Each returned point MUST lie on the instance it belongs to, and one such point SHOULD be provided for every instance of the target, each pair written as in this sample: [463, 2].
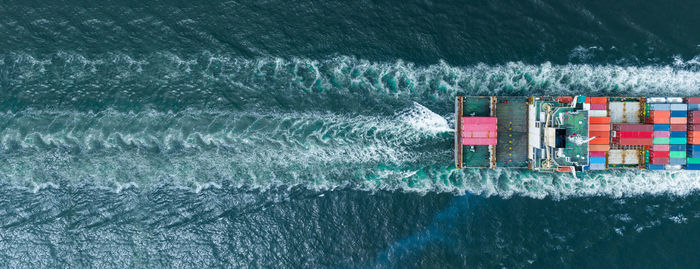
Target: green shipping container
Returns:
[693, 160]
[677, 154]
[678, 141]
[581, 99]
[661, 140]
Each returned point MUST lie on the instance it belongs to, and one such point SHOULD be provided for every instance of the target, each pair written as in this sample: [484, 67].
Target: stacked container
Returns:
[479, 130]
[597, 106]
[599, 130]
[693, 147]
[633, 134]
[660, 116]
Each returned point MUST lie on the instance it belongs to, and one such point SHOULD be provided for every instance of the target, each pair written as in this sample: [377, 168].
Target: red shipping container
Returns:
[692, 100]
[599, 100]
[600, 141]
[599, 120]
[679, 127]
[634, 141]
[596, 153]
[694, 141]
[659, 160]
[659, 154]
[633, 127]
[599, 134]
[661, 147]
[634, 134]
[694, 114]
[693, 127]
[595, 106]
[678, 120]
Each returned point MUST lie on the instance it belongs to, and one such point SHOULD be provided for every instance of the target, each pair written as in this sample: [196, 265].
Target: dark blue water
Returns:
[156, 134]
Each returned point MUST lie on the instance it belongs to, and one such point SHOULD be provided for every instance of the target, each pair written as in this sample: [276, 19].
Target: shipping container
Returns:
[661, 140]
[662, 134]
[597, 166]
[600, 141]
[676, 120]
[677, 147]
[678, 113]
[479, 120]
[662, 127]
[586, 106]
[598, 147]
[479, 141]
[633, 141]
[660, 114]
[693, 127]
[599, 100]
[604, 120]
[676, 154]
[676, 134]
[656, 100]
[634, 134]
[676, 161]
[692, 154]
[598, 127]
[674, 99]
[692, 100]
[634, 127]
[596, 153]
[673, 167]
[655, 107]
[693, 147]
[678, 127]
[597, 113]
[694, 113]
[658, 160]
[581, 99]
[693, 106]
[678, 141]
[659, 154]
[692, 167]
[596, 159]
[679, 107]
[693, 160]
[599, 134]
[655, 167]
[598, 107]
[661, 147]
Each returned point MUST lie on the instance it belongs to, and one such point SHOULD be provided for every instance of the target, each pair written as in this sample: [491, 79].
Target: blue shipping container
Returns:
[676, 161]
[662, 127]
[692, 167]
[694, 147]
[693, 154]
[693, 106]
[678, 134]
[657, 167]
[678, 147]
[597, 160]
[660, 107]
[597, 166]
[679, 107]
[679, 113]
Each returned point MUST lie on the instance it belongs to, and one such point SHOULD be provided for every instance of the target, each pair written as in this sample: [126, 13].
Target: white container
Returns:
[660, 107]
[615, 156]
[679, 107]
[652, 100]
[597, 166]
[673, 167]
[586, 106]
[674, 99]
[597, 113]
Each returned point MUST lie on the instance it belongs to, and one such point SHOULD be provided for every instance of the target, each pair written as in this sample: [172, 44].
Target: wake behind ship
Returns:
[577, 133]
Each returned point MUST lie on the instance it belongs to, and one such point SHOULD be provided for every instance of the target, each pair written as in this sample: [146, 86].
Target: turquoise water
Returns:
[305, 134]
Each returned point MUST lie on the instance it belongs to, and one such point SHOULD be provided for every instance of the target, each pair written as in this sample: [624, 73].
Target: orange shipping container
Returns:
[599, 134]
[598, 147]
[600, 141]
[658, 114]
[598, 127]
[599, 119]
[694, 141]
[599, 100]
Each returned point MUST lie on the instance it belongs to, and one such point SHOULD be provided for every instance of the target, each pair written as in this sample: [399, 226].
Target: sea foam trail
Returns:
[170, 81]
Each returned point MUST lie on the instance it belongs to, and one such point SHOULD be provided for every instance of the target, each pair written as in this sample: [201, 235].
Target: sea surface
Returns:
[318, 134]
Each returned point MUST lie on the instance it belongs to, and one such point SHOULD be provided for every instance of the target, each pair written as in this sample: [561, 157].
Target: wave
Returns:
[168, 81]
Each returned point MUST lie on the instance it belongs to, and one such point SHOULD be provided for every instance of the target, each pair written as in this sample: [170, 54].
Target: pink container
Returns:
[679, 120]
[599, 106]
[479, 141]
[662, 134]
[596, 154]
[476, 127]
[479, 120]
[661, 147]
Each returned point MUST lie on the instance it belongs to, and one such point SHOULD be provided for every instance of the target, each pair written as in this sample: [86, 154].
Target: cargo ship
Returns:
[577, 134]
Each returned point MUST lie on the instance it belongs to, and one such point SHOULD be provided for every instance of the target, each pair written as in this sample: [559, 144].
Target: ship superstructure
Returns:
[577, 133]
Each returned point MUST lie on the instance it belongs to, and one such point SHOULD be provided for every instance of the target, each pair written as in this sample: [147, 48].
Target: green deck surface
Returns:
[572, 124]
[511, 150]
[475, 156]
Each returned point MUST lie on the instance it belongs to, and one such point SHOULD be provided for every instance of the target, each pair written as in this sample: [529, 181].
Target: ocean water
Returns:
[149, 134]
